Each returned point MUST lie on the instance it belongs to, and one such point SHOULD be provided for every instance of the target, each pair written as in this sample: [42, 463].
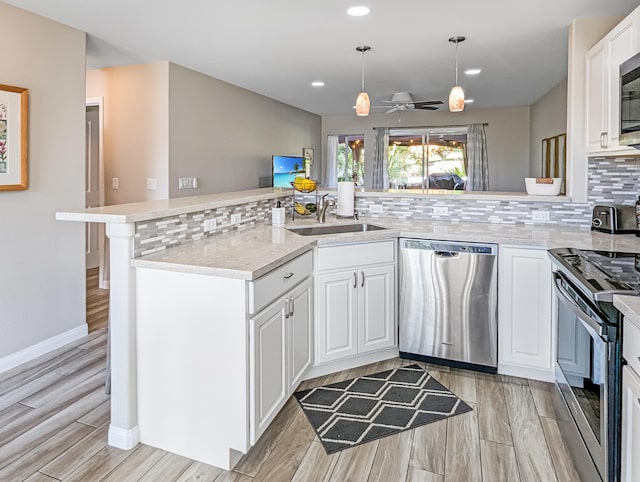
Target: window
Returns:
[427, 158]
[350, 158]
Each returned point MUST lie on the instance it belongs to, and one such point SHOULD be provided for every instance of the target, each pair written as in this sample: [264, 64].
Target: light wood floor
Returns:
[54, 418]
[97, 302]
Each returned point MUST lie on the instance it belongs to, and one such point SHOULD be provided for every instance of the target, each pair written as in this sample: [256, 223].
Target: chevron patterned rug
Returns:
[357, 411]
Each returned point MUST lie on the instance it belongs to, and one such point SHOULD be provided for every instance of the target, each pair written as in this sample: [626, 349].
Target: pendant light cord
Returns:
[457, 63]
[363, 71]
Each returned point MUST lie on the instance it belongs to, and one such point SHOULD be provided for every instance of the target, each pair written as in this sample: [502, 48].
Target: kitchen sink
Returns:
[336, 229]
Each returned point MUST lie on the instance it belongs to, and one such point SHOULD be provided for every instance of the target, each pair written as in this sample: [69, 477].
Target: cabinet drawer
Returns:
[340, 257]
[268, 287]
[631, 345]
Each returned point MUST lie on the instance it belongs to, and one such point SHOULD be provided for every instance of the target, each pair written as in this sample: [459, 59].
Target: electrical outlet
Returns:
[540, 215]
[235, 218]
[152, 183]
[440, 210]
[115, 183]
[210, 225]
[376, 208]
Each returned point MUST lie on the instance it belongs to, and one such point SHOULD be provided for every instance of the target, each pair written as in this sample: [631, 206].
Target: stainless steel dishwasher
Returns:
[448, 303]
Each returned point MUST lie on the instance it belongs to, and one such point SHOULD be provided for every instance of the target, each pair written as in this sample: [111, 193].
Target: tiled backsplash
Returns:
[611, 181]
[163, 233]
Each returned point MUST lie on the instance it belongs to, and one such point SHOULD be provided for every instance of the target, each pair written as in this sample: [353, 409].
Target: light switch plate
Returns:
[115, 183]
[152, 183]
[188, 183]
[235, 218]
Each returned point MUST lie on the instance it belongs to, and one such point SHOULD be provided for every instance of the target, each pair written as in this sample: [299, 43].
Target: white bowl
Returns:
[541, 189]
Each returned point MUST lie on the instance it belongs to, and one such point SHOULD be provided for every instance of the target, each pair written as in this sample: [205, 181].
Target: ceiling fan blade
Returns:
[428, 102]
[393, 109]
[427, 107]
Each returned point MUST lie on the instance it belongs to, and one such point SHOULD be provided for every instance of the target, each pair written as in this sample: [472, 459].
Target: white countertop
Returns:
[254, 251]
[629, 306]
[144, 211]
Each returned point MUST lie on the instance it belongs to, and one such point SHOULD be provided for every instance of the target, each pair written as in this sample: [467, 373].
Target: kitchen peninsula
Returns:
[158, 247]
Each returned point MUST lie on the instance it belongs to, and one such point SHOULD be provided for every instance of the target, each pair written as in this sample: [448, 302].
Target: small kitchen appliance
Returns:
[614, 219]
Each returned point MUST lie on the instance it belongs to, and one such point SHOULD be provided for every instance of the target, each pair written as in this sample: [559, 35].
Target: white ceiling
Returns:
[278, 47]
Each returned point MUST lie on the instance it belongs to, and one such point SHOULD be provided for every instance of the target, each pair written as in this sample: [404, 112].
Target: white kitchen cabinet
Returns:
[602, 85]
[217, 357]
[356, 307]
[524, 313]
[630, 425]
[280, 352]
[631, 402]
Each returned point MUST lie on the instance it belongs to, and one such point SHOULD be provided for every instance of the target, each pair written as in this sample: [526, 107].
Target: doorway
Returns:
[96, 255]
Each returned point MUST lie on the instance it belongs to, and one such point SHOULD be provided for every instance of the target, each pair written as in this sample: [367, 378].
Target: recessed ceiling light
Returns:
[317, 83]
[358, 11]
[468, 101]
[472, 71]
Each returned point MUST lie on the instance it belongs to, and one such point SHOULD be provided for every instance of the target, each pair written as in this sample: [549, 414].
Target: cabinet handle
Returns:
[362, 278]
[355, 279]
[287, 310]
[287, 276]
[602, 140]
[291, 306]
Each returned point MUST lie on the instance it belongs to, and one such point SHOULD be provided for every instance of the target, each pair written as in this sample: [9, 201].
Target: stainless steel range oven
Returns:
[589, 355]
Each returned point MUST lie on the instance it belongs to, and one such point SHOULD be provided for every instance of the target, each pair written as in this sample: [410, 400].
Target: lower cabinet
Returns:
[524, 313]
[280, 353]
[630, 425]
[356, 307]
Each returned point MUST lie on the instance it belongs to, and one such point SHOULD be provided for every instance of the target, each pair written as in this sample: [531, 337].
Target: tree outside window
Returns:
[350, 158]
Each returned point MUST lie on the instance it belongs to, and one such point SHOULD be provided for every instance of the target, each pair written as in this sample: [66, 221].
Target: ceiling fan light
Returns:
[456, 99]
[362, 104]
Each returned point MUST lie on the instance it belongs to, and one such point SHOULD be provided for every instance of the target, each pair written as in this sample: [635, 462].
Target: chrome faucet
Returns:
[322, 210]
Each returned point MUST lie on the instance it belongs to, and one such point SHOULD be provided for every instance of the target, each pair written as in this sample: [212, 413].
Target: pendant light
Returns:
[456, 96]
[362, 102]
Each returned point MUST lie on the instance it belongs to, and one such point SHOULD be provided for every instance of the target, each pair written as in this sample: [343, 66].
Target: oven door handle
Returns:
[582, 316]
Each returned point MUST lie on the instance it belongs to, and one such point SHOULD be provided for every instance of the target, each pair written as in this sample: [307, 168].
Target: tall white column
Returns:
[123, 431]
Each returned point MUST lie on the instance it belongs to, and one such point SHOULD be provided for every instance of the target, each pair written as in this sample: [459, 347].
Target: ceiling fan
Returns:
[401, 101]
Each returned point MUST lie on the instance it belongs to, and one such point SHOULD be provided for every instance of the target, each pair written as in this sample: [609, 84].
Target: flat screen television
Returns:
[286, 169]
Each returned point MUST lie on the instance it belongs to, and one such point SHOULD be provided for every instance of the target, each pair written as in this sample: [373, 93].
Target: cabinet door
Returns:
[376, 308]
[596, 97]
[621, 45]
[337, 311]
[524, 317]
[268, 377]
[299, 333]
[630, 425]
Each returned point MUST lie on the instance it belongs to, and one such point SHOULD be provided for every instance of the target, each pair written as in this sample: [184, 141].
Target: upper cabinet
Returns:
[602, 86]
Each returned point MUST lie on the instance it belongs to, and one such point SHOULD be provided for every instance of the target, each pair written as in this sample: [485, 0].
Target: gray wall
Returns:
[548, 119]
[42, 278]
[225, 135]
[507, 137]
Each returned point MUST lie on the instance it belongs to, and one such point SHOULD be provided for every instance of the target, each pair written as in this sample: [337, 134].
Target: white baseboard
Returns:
[34, 351]
[123, 438]
[527, 372]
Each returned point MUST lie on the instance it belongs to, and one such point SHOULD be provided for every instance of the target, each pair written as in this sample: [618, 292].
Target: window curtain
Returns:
[380, 149]
[331, 168]
[477, 159]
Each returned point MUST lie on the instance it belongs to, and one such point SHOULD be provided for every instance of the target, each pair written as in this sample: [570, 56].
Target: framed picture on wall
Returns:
[307, 153]
[13, 137]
